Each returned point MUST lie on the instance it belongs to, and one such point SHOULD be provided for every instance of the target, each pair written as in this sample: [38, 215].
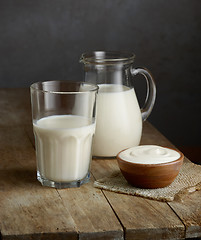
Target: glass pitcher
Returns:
[119, 117]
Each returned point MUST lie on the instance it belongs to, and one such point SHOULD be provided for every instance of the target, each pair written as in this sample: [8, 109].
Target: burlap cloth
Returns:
[187, 181]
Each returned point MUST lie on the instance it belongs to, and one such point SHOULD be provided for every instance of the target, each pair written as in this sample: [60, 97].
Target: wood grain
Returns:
[46, 213]
[26, 208]
[91, 213]
[15, 105]
[151, 135]
[30, 211]
[141, 218]
[189, 209]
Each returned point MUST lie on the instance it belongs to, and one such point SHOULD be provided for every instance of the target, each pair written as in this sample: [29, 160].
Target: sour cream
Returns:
[149, 154]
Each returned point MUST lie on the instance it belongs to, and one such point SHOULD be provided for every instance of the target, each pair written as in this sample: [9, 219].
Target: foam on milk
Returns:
[149, 154]
[63, 147]
[118, 122]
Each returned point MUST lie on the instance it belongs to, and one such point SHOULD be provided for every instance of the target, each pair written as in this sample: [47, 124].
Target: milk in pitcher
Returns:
[119, 120]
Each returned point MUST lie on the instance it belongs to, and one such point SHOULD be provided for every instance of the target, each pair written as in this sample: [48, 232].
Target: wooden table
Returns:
[30, 211]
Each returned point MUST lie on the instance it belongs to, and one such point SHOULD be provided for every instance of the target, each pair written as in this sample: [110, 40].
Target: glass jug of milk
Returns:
[119, 117]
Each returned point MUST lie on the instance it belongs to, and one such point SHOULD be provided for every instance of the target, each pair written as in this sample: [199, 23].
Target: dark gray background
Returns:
[43, 40]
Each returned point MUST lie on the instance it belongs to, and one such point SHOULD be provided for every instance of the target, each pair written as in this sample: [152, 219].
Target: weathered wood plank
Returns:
[29, 131]
[15, 105]
[19, 187]
[91, 213]
[46, 213]
[91, 225]
[26, 208]
[141, 218]
[189, 209]
[150, 135]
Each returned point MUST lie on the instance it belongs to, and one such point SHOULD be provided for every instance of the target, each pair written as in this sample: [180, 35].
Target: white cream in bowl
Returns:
[149, 154]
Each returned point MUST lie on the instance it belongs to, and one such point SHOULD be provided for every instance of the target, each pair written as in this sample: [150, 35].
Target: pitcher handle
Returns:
[151, 91]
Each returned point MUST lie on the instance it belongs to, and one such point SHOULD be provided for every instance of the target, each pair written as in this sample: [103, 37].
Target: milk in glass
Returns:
[63, 147]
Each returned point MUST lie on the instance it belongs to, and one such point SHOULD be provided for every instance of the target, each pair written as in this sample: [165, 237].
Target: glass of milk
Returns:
[63, 116]
[119, 117]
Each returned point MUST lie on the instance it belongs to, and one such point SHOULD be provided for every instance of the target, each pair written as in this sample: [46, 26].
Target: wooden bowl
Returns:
[150, 175]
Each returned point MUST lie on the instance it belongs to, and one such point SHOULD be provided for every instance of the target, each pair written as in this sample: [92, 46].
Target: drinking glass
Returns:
[63, 116]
